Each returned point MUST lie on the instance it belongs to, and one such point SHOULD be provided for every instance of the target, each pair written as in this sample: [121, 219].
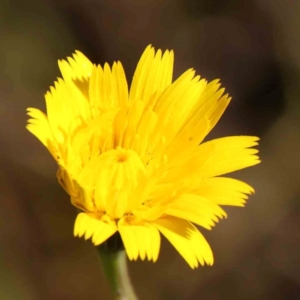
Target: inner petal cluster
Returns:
[111, 181]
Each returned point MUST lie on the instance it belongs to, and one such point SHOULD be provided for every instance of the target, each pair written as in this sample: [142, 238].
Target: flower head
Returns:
[134, 160]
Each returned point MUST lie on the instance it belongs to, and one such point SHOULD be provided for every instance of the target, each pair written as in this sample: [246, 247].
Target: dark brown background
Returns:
[253, 46]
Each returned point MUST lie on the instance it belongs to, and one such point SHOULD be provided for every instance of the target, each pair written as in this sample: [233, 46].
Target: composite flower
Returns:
[133, 159]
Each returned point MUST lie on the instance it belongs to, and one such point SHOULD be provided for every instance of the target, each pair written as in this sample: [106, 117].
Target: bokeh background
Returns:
[253, 46]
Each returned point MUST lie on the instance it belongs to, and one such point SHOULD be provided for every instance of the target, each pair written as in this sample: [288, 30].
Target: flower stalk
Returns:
[113, 260]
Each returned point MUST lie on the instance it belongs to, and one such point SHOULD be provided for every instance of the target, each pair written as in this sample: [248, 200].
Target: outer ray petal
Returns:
[152, 75]
[140, 239]
[107, 88]
[39, 126]
[185, 86]
[217, 157]
[76, 67]
[224, 191]
[175, 104]
[196, 209]
[76, 71]
[195, 128]
[186, 239]
[121, 85]
[225, 155]
[185, 117]
[92, 227]
[190, 100]
[67, 110]
[194, 131]
[211, 112]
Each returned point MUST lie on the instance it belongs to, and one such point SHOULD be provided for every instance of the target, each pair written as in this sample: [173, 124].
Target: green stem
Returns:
[114, 263]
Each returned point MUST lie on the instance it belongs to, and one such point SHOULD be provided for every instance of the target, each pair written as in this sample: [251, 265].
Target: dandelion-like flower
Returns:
[133, 160]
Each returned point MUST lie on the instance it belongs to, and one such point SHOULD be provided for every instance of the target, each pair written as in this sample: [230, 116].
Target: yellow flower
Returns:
[134, 162]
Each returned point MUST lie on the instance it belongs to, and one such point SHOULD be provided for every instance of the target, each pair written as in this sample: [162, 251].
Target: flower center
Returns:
[120, 174]
[123, 156]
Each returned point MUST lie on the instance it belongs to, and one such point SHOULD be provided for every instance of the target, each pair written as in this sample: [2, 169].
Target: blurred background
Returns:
[253, 46]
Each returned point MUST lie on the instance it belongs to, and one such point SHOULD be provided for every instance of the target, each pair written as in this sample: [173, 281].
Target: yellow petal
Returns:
[107, 88]
[212, 110]
[184, 86]
[76, 71]
[187, 111]
[39, 126]
[134, 115]
[140, 239]
[67, 110]
[152, 75]
[175, 104]
[76, 67]
[224, 191]
[92, 227]
[144, 130]
[66, 182]
[184, 145]
[216, 111]
[217, 157]
[196, 209]
[225, 155]
[186, 239]
[197, 121]
[120, 83]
